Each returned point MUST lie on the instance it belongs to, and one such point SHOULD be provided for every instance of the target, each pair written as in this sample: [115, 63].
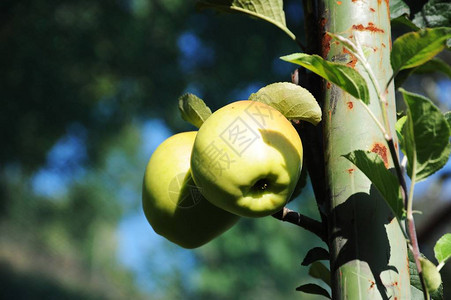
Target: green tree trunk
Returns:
[368, 250]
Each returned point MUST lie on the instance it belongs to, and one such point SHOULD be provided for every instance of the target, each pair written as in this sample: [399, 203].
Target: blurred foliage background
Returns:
[88, 90]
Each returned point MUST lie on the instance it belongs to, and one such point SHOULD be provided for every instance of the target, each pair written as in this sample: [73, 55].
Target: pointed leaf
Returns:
[426, 136]
[415, 48]
[268, 10]
[319, 271]
[314, 289]
[343, 76]
[293, 101]
[193, 109]
[435, 13]
[442, 249]
[372, 165]
[315, 254]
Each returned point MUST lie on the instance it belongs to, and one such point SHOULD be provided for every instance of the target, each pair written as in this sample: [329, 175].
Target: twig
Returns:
[293, 217]
[399, 172]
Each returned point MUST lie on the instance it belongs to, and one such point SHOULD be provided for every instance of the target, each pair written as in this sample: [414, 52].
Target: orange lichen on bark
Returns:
[339, 2]
[350, 171]
[381, 150]
[353, 60]
[325, 43]
[370, 27]
[350, 104]
[372, 284]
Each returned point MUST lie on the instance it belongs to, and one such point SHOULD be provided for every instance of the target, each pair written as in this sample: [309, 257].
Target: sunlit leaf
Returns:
[372, 165]
[442, 248]
[415, 48]
[268, 10]
[435, 13]
[398, 127]
[398, 8]
[426, 136]
[448, 117]
[314, 289]
[315, 254]
[293, 101]
[343, 76]
[193, 109]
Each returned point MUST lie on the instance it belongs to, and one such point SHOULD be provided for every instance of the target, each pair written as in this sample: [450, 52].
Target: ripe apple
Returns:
[173, 204]
[247, 158]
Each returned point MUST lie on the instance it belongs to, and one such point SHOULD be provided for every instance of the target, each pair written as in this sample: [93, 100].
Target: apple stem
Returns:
[293, 217]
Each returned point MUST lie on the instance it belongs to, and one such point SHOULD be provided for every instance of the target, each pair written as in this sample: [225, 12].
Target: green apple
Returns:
[173, 204]
[247, 159]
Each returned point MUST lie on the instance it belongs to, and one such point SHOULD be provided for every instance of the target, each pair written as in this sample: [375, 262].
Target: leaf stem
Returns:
[381, 127]
[293, 217]
[412, 231]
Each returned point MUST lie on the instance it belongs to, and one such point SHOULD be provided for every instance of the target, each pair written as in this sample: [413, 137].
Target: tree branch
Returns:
[293, 217]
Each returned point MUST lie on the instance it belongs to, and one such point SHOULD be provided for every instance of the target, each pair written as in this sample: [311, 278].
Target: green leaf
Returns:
[404, 20]
[398, 127]
[343, 76]
[435, 13]
[434, 65]
[315, 254]
[415, 48]
[314, 289]
[426, 136]
[431, 275]
[415, 283]
[398, 8]
[320, 271]
[431, 66]
[193, 109]
[442, 249]
[293, 101]
[268, 10]
[447, 116]
[372, 165]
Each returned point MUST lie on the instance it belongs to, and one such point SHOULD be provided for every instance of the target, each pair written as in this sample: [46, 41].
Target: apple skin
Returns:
[247, 159]
[173, 204]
